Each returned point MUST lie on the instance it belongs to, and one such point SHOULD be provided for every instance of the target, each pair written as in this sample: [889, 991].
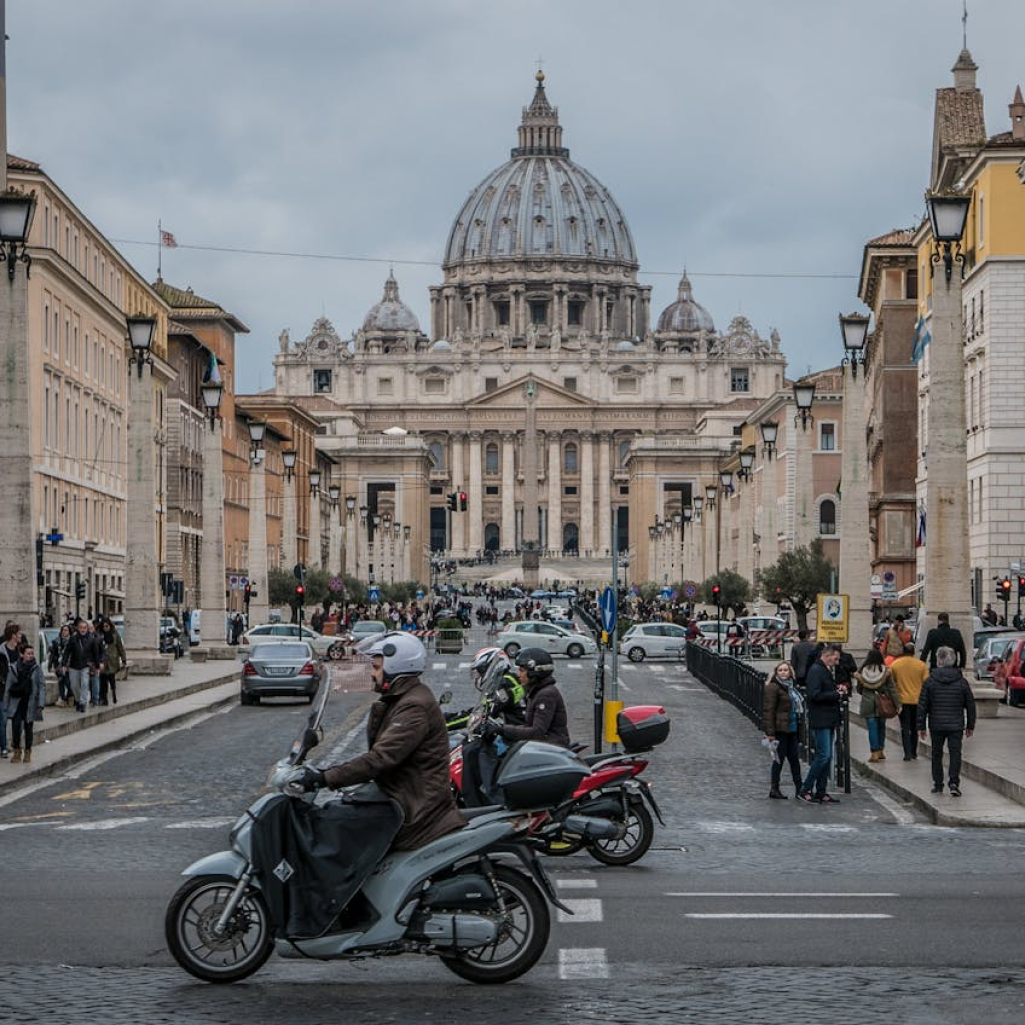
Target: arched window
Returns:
[570, 539]
[492, 537]
[491, 458]
[437, 454]
[569, 458]
[624, 450]
[827, 517]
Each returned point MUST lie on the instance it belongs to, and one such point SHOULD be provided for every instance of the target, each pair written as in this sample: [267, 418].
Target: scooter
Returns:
[315, 879]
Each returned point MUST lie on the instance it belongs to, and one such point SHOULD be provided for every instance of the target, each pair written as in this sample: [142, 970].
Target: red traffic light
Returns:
[462, 501]
[715, 590]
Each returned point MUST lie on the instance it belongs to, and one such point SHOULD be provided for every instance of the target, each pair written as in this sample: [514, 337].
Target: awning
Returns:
[911, 589]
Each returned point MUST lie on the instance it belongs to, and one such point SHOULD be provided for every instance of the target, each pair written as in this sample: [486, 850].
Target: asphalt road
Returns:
[745, 908]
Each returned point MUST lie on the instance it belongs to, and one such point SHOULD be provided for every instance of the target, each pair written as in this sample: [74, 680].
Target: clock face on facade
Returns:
[322, 345]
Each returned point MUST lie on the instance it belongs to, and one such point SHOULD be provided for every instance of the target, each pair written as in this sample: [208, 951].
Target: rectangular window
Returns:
[321, 381]
[538, 311]
[982, 220]
[435, 385]
[569, 383]
[490, 384]
[436, 489]
[385, 386]
[574, 313]
[675, 385]
[624, 489]
[982, 311]
[491, 489]
[827, 437]
[626, 385]
[911, 285]
[570, 489]
[502, 313]
[739, 380]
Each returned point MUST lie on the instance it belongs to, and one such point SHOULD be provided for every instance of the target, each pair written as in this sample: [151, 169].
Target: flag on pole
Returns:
[213, 371]
[920, 535]
[167, 240]
[922, 338]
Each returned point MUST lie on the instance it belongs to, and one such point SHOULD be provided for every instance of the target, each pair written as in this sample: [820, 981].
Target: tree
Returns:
[799, 577]
[281, 586]
[735, 591]
[400, 591]
[648, 591]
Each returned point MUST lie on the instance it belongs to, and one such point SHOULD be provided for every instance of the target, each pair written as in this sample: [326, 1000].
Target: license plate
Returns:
[279, 671]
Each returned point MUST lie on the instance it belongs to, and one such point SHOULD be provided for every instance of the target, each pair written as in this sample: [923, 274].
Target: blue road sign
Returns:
[419, 595]
[374, 594]
[608, 605]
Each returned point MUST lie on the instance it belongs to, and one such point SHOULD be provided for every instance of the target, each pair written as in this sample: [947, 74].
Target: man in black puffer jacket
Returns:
[943, 705]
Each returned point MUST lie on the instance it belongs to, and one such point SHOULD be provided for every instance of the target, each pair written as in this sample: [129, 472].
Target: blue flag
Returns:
[922, 338]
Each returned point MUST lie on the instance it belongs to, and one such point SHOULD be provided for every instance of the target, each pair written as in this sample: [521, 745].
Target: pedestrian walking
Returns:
[23, 701]
[909, 674]
[82, 657]
[872, 680]
[801, 657]
[782, 712]
[113, 661]
[946, 708]
[895, 638]
[943, 635]
[823, 696]
[55, 663]
[8, 658]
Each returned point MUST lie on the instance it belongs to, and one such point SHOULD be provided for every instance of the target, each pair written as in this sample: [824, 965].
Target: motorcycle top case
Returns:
[642, 727]
[538, 775]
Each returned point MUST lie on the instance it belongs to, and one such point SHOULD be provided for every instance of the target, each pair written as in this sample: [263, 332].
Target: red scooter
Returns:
[613, 790]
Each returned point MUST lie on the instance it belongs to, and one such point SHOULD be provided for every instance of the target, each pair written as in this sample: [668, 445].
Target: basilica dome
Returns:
[685, 314]
[540, 204]
[391, 314]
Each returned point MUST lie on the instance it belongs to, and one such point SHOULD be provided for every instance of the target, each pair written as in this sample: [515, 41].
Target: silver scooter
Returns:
[477, 898]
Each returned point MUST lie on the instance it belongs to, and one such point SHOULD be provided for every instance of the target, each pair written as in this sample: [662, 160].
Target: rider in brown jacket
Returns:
[408, 745]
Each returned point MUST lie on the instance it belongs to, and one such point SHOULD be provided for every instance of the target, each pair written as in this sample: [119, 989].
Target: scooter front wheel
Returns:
[633, 845]
[523, 929]
[194, 942]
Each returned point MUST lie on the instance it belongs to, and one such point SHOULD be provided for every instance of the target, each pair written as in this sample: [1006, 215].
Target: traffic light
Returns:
[300, 594]
[453, 501]
[80, 589]
[1021, 587]
[39, 562]
[247, 593]
[716, 593]
[1004, 589]
[462, 501]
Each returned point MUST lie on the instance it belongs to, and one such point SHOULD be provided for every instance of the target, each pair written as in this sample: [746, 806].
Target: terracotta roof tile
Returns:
[960, 120]
[897, 237]
[21, 164]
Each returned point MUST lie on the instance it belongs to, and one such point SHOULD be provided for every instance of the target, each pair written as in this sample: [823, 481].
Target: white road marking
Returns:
[680, 687]
[726, 827]
[212, 823]
[577, 884]
[103, 824]
[623, 686]
[582, 911]
[823, 827]
[463, 665]
[788, 896]
[583, 963]
[788, 915]
[628, 669]
[438, 665]
[657, 669]
[21, 825]
[574, 665]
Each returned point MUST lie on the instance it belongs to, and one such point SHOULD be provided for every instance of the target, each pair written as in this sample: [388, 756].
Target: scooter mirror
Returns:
[445, 697]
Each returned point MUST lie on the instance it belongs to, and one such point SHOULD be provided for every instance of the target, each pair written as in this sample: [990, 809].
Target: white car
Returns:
[535, 634]
[284, 632]
[368, 628]
[653, 640]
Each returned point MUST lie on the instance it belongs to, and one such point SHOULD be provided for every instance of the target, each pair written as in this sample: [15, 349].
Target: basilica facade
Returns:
[542, 390]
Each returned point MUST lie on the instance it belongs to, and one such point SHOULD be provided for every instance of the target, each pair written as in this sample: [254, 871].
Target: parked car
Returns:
[553, 612]
[540, 594]
[990, 650]
[750, 623]
[284, 632]
[281, 668]
[535, 634]
[367, 628]
[653, 640]
[170, 637]
[712, 628]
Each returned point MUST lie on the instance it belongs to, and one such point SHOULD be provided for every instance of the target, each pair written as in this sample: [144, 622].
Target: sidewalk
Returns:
[145, 703]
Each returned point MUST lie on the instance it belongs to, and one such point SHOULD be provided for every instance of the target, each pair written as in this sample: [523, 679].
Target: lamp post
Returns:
[709, 527]
[746, 532]
[947, 582]
[350, 536]
[855, 569]
[726, 489]
[804, 398]
[334, 530]
[770, 432]
[212, 603]
[316, 554]
[17, 526]
[289, 526]
[142, 592]
[259, 606]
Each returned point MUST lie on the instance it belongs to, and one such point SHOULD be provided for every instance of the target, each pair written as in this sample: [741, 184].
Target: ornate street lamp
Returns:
[770, 432]
[711, 491]
[747, 460]
[334, 493]
[288, 457]
[407, 532]
[257, 430]
[804, 396]
[947, 215]
[688, 513]
[16, 210]
[855, 334]
[212, 392]
[140, 334]
[350, 505]
[699, 502]
[363, 515]
[726, 480]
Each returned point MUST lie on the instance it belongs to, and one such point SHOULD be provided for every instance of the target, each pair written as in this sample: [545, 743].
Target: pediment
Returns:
[547, 396]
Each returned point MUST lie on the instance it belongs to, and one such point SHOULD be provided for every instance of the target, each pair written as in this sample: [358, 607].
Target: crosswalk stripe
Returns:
[438, 665]
[784, 914]
[583, 963]
[581, 911]
[577, 884]
[103, 824]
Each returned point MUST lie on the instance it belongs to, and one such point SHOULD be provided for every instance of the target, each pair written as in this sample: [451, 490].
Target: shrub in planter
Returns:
[450, 636]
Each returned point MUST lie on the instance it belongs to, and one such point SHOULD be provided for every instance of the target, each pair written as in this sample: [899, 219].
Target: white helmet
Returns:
[403, 654]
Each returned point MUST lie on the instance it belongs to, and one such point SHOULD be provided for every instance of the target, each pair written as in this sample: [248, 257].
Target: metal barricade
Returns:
[731, 678]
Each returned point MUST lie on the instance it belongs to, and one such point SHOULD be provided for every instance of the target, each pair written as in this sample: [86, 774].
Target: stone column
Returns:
[475, 496]
[289, 528]
[508, 539]
[142, 599]
[259, 606]
[604, 495]
[804, 486]
[17, 525]
[315, 558]
[458, 482]
[334, 540]
[855, 564]
[745, 536]
[586, 542]
[213, 623]
[351, 530]
[555, 491]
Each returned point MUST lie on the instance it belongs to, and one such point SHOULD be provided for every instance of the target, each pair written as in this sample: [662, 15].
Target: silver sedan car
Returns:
[275, 669]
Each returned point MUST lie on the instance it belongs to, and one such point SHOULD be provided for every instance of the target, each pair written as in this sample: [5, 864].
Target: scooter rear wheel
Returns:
[524, 928]
[640, 831]
[189, 930]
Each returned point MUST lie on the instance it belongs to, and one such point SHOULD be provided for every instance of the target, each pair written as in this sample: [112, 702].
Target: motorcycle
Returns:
[611, 790]
[315, 879]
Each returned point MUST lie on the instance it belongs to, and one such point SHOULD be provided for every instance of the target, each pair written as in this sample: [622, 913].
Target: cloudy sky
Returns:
[759, 144]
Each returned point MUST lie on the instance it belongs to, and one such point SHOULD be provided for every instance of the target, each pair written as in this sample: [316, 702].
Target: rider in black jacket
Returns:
[546, 717]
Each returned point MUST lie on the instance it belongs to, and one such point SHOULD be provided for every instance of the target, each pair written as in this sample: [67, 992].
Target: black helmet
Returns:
[537, 662]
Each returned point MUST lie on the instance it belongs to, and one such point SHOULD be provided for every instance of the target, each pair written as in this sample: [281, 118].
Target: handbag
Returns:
[885, 706]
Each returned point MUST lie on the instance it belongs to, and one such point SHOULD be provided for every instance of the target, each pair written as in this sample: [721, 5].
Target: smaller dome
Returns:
[625, 346]
[685, 314]
[391, 314]
[441, 346]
